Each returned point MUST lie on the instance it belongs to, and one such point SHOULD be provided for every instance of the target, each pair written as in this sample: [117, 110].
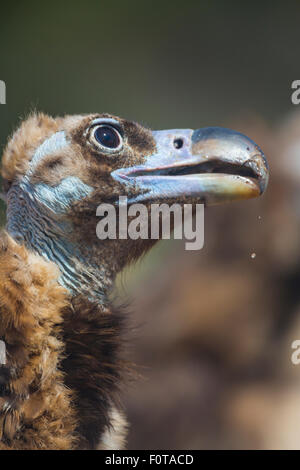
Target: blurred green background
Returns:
[166, 64]
[173, 64]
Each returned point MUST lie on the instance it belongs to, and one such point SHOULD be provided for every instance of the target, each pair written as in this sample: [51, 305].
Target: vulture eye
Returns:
[108, 137]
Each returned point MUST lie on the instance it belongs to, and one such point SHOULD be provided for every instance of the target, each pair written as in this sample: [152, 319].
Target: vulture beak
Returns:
[213, 165]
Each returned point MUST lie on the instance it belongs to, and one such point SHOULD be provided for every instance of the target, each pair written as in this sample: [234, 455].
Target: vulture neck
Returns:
[92, 337]
[83, 270]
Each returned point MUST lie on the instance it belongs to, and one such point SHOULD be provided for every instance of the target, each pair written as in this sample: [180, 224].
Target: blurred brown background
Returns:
[212, 330]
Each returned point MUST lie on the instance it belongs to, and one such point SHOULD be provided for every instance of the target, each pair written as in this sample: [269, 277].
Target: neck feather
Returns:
[92, 332]
[92, 367]
[46, 233]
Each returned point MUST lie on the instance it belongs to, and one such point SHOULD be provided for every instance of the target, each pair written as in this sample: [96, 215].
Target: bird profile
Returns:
[61, 382]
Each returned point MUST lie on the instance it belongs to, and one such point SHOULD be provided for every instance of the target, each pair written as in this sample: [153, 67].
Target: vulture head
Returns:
[58, 171]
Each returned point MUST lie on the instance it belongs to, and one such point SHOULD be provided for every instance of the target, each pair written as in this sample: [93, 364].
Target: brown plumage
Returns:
[60, 386]
[33, 394]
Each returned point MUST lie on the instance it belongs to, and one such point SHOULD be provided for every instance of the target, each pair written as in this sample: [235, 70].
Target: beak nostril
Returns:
[178, 143]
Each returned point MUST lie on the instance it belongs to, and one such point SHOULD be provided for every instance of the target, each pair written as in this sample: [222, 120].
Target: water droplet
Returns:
[253, 255]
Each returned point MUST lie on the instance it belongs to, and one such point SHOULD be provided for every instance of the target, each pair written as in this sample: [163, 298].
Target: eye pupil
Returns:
[107, 136]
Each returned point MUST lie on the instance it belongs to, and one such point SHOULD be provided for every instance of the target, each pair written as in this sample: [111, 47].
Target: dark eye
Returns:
[108, 137]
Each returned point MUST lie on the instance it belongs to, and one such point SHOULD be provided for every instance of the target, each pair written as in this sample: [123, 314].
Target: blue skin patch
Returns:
[55, 143]
[58, 198]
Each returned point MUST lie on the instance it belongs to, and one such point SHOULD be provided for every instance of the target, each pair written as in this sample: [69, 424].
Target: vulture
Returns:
[63, 366]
